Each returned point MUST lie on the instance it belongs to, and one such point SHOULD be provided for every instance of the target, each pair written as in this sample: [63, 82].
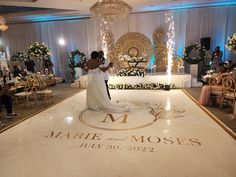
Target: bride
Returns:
[97, 98]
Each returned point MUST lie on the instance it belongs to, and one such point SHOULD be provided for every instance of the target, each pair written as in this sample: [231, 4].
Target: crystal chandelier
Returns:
[3, 25]
[110, 10]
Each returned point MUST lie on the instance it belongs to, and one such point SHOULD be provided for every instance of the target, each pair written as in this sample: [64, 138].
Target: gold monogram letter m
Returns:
[125, 117]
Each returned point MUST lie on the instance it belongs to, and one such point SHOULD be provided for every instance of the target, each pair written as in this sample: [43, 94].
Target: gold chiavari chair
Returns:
[29, 88]
[229, 90]
[43, 92]
[215, 83]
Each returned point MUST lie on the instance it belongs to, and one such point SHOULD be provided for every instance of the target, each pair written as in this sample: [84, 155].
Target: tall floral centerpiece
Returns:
[194, 54]
[39, 51]
[231, 43]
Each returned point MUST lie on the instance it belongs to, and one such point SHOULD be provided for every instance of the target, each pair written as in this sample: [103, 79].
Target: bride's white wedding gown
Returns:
[97, 98]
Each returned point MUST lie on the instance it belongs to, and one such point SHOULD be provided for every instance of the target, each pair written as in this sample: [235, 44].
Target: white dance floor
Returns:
[165, 135]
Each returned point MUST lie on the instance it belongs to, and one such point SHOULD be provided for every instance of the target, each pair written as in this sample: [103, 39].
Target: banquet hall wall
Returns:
[83, 34]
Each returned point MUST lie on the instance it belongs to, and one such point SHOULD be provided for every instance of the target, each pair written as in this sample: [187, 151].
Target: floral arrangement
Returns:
[231, 43]
[132, 72]
[133, 59]
[140, 86]
[19, 56]
[194, 53]
[39, 51]
[82, 56]
[73, 64]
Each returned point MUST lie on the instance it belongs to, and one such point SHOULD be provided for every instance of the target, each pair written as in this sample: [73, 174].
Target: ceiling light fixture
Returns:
[3, 26]
[61, 42]
[110, 10]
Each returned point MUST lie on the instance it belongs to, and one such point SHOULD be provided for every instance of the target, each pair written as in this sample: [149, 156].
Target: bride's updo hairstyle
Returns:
[94, 55]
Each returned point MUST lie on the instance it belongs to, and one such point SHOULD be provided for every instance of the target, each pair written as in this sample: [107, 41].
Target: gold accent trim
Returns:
[109, 129]
[177, 61]
[160, 50]
[213, 117]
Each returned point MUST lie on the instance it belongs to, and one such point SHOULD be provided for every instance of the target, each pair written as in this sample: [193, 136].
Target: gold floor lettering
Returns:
[184, 141]
[115, 147]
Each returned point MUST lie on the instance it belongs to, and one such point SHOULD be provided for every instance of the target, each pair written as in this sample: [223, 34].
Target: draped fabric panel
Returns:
[84, 34]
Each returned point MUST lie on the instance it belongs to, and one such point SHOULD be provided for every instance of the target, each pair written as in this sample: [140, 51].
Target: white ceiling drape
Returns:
[190, 25]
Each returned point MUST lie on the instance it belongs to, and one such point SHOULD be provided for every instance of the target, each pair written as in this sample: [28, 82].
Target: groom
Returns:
[105, 64]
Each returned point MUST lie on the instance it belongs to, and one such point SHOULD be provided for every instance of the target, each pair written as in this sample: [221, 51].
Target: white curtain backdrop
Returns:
[190, 25]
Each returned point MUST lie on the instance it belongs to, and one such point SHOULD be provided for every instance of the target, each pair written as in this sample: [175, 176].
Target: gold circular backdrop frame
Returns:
[130, 41]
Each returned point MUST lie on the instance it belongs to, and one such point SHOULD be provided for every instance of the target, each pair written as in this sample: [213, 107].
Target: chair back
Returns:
[229, 84]
[215, 80]
[42, 85]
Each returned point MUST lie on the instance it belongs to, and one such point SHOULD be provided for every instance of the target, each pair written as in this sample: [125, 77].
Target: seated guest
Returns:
[225, 64]
[30, 65]
[17, 71]
[6, 99]
[222, 69]
[24, 73]
[230, 66]
[47, 64]
[214, 87]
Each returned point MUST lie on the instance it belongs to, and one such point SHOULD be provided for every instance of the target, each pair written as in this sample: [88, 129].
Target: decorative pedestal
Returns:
[76, 84]
[194, 70]
[78, 73]
[194, 74]
[83, 82]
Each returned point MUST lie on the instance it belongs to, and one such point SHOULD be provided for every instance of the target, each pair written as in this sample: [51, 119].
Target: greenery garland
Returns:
[83, 59]
[194, 59]
[73, 64]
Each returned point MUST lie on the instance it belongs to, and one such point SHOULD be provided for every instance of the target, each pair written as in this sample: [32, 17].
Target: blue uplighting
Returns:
[43, 18]
[151, 62]
[180, 52]
[189, 5]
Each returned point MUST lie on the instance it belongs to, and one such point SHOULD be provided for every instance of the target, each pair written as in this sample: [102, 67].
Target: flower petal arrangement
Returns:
[132, 72]
[231, 43]
[140, 86]
[39, 51]
[19, 56]
[133, 66]
[194, 53]
[133, 59]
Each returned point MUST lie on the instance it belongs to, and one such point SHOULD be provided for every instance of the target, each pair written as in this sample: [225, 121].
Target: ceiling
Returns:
[19, 11]
[15, 9]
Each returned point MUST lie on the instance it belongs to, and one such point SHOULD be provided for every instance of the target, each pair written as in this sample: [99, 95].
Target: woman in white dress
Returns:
[97, 98]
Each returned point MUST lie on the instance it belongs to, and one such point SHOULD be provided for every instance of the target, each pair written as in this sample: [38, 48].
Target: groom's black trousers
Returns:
[108, 93]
